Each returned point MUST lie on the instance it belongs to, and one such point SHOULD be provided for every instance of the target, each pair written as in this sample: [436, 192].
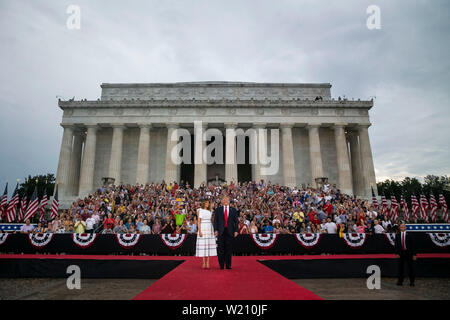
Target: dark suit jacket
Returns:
[409, 242]
[233, 220]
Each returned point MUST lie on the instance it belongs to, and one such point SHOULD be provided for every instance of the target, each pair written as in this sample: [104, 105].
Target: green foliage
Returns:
[45, 183]
[412, 186]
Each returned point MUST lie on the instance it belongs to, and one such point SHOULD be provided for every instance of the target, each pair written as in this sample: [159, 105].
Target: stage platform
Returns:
[355, 266]
[252, 277]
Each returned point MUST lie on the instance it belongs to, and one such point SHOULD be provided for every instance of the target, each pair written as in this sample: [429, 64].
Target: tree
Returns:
[435, 184]
[389, 188]
[45, 183]
[412, 186]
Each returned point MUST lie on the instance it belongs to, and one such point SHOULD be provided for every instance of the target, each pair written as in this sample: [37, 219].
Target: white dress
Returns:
[206, 245]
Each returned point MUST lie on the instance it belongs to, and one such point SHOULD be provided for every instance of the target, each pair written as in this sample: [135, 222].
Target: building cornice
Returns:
[229, 84]
[215, 103]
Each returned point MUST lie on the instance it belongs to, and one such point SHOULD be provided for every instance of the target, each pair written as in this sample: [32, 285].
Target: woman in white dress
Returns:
[206, 241]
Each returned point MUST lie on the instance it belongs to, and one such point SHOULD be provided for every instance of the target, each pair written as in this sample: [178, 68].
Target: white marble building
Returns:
[124, 135]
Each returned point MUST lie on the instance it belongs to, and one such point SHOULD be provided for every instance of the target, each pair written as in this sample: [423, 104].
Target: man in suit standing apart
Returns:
[404, 247]
[226, 223]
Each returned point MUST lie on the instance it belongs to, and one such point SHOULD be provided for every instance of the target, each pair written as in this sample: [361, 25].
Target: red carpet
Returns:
[248, 280]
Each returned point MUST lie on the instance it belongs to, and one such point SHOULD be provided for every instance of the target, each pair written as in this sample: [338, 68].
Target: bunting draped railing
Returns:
[243, 244]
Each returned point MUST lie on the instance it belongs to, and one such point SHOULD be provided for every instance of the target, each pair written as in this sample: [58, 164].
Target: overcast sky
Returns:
[405, 65]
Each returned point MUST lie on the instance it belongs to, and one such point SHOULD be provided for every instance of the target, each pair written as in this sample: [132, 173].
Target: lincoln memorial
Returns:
[129, 136]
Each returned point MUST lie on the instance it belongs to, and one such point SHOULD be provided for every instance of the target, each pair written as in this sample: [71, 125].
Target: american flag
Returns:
[23, 207]
[444, 207]
[374, 200]
[434, 207]
[12, 206]
[43, 204]
[405, 209]
[32, 206]
[384, 205]
[415, 207]
[4, 200]
[423, 207]
[394, 208]
[55, 205]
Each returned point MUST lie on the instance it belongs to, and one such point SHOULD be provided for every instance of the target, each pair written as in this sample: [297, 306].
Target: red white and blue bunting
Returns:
[390, 237]
[440, 239]
[40, 240]
[84, 240]
[428, 227]
[173, 241]
[264, 240]
[128, 240]
[308, 240]
[3, 237]
[355, 240]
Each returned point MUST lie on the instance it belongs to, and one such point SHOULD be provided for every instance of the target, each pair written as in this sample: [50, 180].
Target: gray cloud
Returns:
[405, 65]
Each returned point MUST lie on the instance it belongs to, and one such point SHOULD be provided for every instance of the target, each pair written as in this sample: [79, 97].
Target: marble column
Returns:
[63, 173]
[355, 159]
[344, 175]
[315, 153]
[259, 146]
[200, 166]
[367, 161]
[88, 163]
[230, 153]
[171, 166]
[115, 162]
[143, 161]
[75, 162]
[289, 176]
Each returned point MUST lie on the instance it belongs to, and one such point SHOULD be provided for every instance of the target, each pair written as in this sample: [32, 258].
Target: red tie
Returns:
[403, 241]
[226, 217]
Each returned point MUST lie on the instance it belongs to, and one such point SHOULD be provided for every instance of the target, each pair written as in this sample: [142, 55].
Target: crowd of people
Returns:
[263, 208]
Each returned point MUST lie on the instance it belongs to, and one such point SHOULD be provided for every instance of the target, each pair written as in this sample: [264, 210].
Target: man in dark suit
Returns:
[404, 247]
[226, 224]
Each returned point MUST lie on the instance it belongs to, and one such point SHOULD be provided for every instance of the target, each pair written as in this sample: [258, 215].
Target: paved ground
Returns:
[126, 289]
[56, 289]
[356, 289]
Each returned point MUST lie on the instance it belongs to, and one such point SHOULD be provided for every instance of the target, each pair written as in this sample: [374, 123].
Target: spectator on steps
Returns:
[330, 226]
[80, 226]
[120, 228]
